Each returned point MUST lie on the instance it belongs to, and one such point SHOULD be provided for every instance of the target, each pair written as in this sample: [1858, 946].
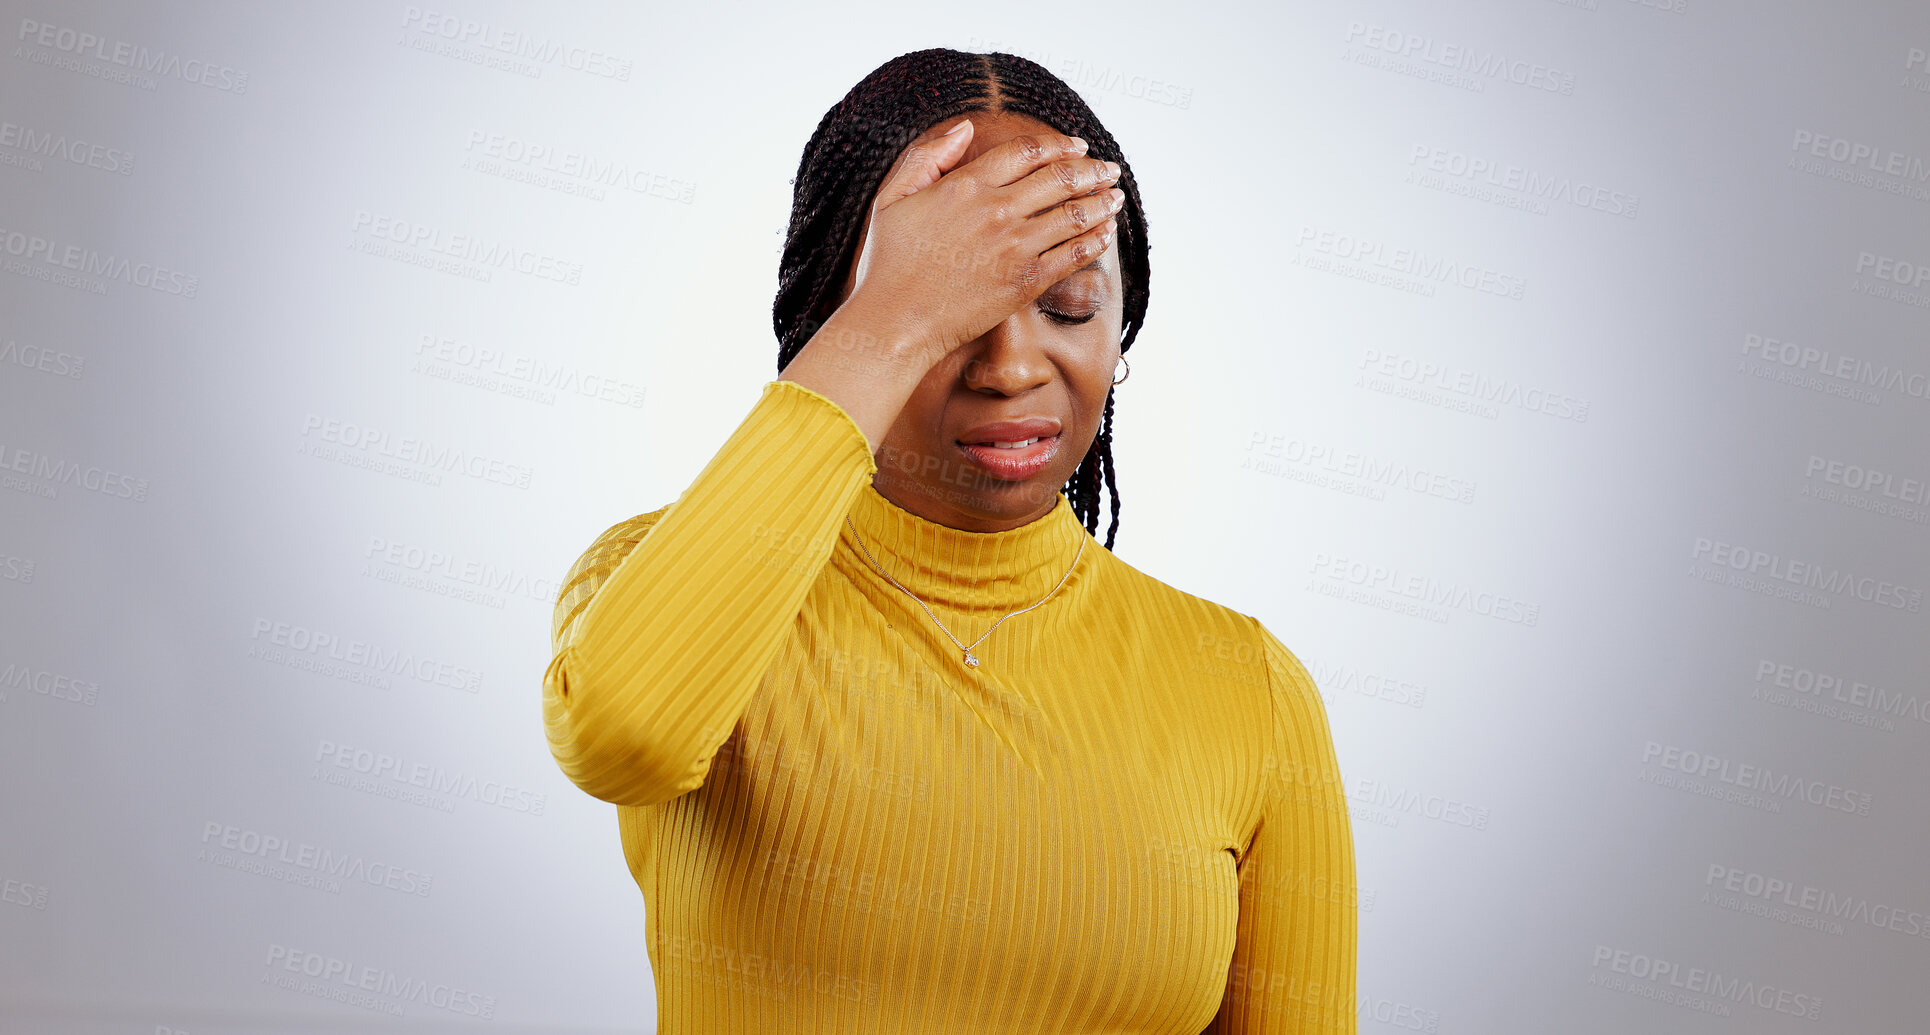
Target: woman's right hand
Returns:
[951, 250]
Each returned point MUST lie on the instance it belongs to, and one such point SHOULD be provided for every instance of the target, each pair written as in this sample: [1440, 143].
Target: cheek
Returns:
[1092, 380]
[922, 418]
[1099, 344]
[1097, 363]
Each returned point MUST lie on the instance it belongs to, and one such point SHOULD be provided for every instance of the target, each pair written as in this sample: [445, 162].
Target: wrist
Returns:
[877, 334]
[864, 367]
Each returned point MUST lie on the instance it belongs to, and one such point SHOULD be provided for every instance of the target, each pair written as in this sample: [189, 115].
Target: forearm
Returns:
[869, 366]
[648, 680]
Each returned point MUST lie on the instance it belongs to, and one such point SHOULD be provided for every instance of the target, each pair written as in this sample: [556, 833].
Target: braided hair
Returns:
[856, 143]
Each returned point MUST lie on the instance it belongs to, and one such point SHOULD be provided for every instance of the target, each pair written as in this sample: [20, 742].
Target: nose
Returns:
[1008, 359]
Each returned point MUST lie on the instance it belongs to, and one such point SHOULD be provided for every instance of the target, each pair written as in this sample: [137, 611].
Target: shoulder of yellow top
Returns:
[1284, 661]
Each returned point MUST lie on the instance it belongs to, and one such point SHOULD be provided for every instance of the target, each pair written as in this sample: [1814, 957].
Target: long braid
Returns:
[854, 146]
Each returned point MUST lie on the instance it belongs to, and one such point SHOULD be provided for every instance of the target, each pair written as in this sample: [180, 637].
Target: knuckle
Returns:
[961, 187]
[1077, 213]
[1067, 175]
[1029, 147]
[1027, 273]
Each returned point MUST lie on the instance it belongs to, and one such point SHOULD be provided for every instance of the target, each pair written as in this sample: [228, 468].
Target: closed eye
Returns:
[1067, 318]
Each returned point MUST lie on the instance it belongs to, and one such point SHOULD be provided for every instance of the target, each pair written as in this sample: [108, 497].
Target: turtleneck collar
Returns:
[965, 571]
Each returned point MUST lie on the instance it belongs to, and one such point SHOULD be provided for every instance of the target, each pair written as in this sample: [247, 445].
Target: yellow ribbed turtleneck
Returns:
[1127, 817]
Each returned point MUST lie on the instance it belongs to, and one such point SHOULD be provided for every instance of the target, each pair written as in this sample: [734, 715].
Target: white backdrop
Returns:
[1553, 377]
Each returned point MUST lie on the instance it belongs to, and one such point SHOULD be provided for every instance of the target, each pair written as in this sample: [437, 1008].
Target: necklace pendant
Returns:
[971, 659]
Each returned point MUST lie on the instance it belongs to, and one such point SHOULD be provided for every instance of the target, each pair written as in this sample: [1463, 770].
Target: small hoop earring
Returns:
[1129, 371]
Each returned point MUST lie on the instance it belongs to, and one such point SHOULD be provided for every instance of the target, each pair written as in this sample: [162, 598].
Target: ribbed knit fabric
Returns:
[1127, 818]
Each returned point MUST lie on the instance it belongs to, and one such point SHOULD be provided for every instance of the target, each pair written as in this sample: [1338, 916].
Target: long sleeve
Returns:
[1293, 968]
[666, 624]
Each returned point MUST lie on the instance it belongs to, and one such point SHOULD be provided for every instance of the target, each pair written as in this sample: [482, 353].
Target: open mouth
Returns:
[1012, 460]
[1021, 444]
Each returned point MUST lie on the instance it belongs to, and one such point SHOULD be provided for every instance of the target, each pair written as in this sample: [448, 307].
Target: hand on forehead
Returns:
[989, 129]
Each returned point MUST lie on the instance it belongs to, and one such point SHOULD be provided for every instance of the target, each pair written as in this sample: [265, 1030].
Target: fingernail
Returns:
[1079, 145]
[1115, 198]
[962, 123]
[1112, 170]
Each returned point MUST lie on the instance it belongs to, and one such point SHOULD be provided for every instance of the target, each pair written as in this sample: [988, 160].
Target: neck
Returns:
[912, 495]
[959, 569]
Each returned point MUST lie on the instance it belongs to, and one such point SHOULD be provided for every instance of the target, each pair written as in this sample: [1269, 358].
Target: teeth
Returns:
[1016, 445]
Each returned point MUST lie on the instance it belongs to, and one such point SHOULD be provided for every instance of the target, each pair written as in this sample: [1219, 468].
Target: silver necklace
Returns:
[970, 658]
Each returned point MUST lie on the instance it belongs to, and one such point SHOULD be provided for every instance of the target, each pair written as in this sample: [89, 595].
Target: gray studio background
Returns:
[1552, 377]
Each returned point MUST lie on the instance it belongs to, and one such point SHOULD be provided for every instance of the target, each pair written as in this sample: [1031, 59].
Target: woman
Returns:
[898, 747]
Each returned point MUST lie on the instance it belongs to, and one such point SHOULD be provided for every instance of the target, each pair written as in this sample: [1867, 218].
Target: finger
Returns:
[1051, 184]
[1018, 157]
[923, 162]
[1058, 263]
[1073, 217]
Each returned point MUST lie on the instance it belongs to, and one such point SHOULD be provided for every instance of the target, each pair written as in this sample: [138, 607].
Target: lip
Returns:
[1011, 430]
[1014, 465]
